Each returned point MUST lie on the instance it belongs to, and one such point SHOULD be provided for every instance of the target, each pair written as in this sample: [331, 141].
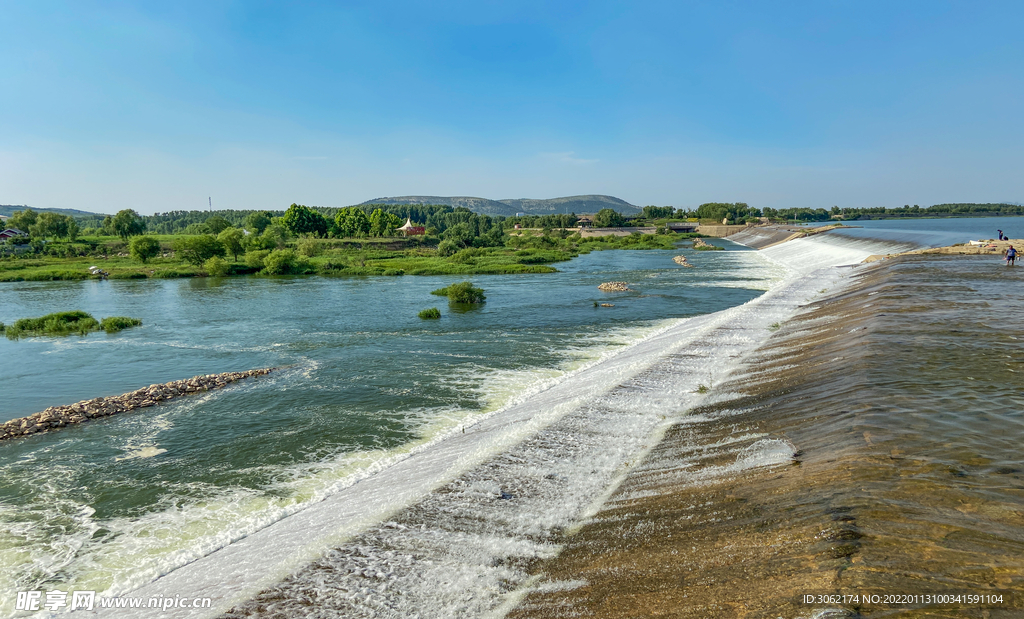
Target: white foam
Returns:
[588, 427]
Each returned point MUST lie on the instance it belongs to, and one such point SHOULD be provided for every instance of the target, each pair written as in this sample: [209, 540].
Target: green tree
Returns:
[198, 249]
[217, 224]
[232, 240]
[197, 228]
[607, 218]
[143, 247]
[350, 222]
[658, 212]
[54, 225]
[301, 219]
[275, 235]
[258, 221]
[127, 223]
[460, 234]
[23, 220]
[383, 224]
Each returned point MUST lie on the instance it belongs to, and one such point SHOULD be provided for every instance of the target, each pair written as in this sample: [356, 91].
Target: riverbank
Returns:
[868, 466]
[974, 248]
[522, 252]
[56, 417]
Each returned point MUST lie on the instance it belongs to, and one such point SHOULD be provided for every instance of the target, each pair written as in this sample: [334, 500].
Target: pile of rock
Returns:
[701, 243]
[60, 416]
[614, 287]
[682, 260]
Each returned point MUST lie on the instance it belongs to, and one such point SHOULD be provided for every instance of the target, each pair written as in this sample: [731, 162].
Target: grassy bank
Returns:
[522, 253]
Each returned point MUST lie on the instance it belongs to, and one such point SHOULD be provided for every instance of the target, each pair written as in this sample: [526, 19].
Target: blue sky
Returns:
[158, 106]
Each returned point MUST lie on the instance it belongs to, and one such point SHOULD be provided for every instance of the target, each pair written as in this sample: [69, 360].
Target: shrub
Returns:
[60, 323]
[281, 262]
[448, 247]
[255, 258]
[67, 323]
[311, 247]
[466, 256]
[198, 249]
[216, 267]
[117, 323]
[463, 292]
[431, 313]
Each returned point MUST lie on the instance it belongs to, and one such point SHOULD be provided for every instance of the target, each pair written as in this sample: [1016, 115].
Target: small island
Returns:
[66, 323]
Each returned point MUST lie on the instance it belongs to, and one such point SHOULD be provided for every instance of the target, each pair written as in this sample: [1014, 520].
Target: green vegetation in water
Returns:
[702, 389]
[114, 324]
[429, 314]
[463, 292]
[66, 323]
[774, 326]
[708, 248]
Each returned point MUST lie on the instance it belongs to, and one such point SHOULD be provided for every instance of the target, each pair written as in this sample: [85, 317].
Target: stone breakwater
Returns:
[61, 416]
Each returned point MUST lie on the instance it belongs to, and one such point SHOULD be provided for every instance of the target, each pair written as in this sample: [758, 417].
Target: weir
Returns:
[901, 400]
[453, 528]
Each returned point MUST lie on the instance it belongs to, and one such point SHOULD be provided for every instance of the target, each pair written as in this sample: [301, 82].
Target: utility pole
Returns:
[209, 201]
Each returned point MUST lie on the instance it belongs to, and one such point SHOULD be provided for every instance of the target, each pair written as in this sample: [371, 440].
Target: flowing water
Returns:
[896, 411]
[112, 504]
[399, 468]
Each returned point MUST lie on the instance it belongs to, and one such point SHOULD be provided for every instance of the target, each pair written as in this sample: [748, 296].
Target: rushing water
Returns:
[556, 409]
[111, 504]
[899, 490]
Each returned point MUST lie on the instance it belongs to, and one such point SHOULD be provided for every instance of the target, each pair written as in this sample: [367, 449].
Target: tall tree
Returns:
[23, 220]
[127, 223]
[231, 238]
[301, 219]
[198, 249]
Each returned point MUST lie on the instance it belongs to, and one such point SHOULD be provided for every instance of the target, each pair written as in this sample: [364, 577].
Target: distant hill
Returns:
[509, 207]
[9, 209]
[571, 204]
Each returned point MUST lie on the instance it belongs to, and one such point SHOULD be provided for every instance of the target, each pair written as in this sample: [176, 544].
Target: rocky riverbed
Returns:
[62, 416]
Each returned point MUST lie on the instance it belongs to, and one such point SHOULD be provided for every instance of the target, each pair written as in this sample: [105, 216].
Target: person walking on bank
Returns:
[1011, 255]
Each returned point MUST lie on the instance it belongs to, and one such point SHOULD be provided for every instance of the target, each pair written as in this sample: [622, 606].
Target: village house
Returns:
[11, 233]
[410, 230]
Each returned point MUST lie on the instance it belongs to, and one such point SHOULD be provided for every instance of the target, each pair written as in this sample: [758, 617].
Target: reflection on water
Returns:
[901, 405]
